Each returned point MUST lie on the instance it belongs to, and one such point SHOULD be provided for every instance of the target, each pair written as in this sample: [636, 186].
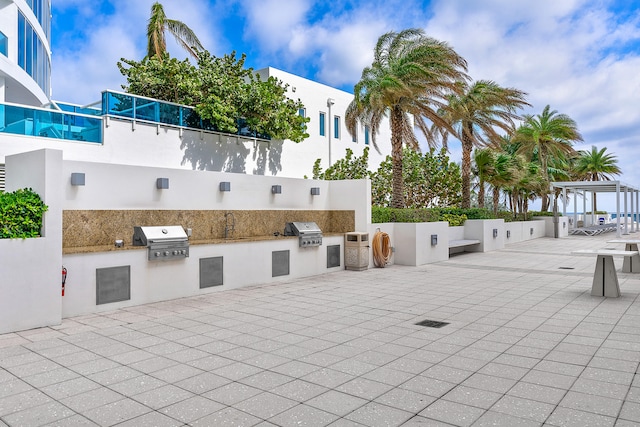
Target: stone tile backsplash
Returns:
[82, 228]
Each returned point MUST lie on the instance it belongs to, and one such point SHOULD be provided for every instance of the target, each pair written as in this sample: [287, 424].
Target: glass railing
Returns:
[48, 123]
[154, 111]
[71, 108]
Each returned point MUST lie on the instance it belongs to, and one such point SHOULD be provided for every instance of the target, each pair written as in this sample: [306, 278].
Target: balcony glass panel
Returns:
[70, 108]
[49, 124]
[117, 104]
[170, 114]
[146, 110]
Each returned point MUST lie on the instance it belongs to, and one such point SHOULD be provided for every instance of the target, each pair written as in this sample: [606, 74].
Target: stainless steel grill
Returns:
[309, 234]
[164, 242]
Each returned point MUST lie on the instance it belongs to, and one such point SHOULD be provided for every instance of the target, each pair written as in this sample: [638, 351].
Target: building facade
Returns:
[129, 130]
[25, 52]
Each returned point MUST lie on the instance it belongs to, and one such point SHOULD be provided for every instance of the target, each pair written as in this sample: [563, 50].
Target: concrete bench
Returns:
[605, 278]
[461, 244]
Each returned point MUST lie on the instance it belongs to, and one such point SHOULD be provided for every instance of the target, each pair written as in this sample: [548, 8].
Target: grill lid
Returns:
[144, 236]
[302, 229]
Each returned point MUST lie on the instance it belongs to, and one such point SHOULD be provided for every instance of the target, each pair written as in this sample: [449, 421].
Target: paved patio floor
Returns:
[526, 345]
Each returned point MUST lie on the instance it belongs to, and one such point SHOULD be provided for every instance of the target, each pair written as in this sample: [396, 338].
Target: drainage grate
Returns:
[566, 268]
[432, 323]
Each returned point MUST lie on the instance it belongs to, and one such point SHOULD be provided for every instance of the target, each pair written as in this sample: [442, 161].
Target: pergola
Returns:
[595, 187]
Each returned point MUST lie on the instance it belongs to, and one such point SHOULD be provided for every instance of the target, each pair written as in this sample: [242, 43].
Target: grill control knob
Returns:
[157, 254]
[175, 252]
[167, 253]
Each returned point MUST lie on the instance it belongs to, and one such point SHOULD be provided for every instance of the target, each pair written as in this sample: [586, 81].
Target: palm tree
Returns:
[595, 165]
[546, 135]
[503, 174]
[158, 24]
[476, 114]
[410, 77]
[483, 160]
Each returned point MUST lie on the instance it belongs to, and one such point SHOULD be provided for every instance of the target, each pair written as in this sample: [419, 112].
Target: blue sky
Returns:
[582, 57]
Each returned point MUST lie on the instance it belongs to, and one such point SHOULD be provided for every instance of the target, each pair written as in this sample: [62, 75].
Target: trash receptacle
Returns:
[356, 251]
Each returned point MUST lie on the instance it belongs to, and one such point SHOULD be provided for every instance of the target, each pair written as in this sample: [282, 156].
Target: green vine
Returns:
[21, 214]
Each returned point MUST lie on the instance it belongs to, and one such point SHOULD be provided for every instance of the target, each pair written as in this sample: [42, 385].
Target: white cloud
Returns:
[270, 23]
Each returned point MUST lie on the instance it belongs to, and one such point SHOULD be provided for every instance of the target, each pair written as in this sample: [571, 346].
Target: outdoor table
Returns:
[605, 278]
[630, 264]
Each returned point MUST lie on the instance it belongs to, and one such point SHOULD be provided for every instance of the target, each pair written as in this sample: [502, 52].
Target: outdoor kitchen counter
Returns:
[128, 247]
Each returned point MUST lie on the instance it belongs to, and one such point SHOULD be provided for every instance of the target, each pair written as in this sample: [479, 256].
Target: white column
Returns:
[575, 208]
[626, 213]
[638, 209]
[584, 208]
[618, 208]
[632, 211]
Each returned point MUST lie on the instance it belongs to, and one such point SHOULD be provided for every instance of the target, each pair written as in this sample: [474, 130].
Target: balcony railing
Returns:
[154, 111]
[49, 123]
[76, 123]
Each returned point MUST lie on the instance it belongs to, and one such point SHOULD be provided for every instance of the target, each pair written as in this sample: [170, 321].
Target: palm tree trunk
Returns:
[467, 148]
[546, 201]
[496, 199]
[481, 193]
[397, 199]
[544, 207]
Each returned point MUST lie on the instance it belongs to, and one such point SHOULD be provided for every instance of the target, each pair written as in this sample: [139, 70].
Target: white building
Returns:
[129, 130]
[25, 52]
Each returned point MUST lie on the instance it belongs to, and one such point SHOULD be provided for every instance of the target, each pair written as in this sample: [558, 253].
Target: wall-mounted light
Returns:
[495, 233]
[531, 231]
[564, 224]
[162, 183]
[508, 234]
[315, 191]
[276, 189]
[434, 239]
[77, 178]
[225, 186]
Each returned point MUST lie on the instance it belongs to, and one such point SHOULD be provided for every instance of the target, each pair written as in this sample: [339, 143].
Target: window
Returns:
[21, 41]
[303, 113]
[354, 137]
[32, 54]
[3, 44]
[336, 127]
[366, 135]
[322, 125]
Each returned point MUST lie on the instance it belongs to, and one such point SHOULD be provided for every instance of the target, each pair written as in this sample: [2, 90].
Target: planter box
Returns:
[483, 230]
[413, 242]
[563, 225]
[30, 288]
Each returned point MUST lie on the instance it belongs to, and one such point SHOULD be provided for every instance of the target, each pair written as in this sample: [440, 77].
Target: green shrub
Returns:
[507, 216]
[540, 213]
[471, 213]
[454, 220]
[379, 214]
[21, 214]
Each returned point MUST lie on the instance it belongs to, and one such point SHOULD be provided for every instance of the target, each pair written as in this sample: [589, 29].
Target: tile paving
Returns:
[526, 345]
